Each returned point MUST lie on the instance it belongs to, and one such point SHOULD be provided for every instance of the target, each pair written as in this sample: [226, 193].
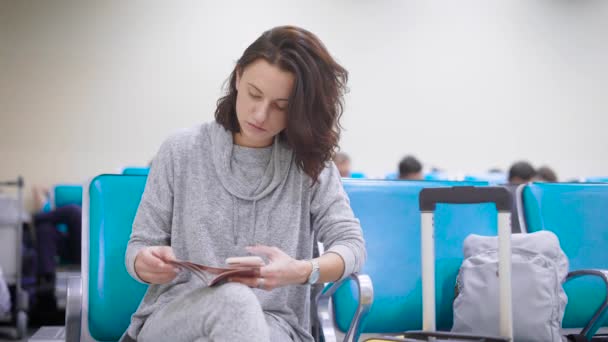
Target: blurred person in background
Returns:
[410, 168]
[546, 174]
[521, 172]
[342, 161]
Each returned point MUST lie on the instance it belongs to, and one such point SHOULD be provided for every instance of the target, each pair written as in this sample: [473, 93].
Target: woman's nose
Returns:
[260, 113]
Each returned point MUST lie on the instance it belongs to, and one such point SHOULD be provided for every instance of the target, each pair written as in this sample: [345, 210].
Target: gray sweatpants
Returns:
[230, 312]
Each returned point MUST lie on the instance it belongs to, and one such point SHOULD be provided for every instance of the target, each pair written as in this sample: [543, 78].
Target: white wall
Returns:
[88, 87]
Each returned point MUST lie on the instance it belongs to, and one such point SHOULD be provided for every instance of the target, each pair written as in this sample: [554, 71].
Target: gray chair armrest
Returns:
[324, 312]
[590, 329]
[73, 309]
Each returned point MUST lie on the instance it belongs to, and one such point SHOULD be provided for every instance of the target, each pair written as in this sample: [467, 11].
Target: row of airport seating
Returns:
[64, 194]
[390, 218]
[101, 302]
[72, 194]
[496, 178]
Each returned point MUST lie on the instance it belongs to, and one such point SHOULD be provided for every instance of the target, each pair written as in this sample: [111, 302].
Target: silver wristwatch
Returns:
[315, 273]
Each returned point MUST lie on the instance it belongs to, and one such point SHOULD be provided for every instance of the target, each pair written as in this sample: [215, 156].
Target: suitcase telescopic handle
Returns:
[501, 197]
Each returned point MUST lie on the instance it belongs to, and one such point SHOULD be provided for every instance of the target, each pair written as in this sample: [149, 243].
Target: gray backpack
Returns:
[539, 268]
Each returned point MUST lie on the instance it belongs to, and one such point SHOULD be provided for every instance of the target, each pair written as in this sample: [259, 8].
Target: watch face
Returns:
[314, 273]
[314, 276]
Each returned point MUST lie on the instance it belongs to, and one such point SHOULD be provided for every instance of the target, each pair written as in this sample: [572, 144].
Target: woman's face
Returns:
[261, 103]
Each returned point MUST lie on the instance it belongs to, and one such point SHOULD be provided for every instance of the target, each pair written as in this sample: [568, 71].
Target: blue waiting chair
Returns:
[101, 302]
[490, 177]
[437, 176]
[390, 218]
[358, 175]
[578, 214]
[65, 194]
[391, 176]
[136, 170]
[596, 180]
[62, 195]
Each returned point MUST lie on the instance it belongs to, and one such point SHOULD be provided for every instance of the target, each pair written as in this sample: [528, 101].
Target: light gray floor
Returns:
[5, 334]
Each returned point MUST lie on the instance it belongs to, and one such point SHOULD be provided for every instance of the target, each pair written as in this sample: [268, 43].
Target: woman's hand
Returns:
[151, 267]
[281, 270]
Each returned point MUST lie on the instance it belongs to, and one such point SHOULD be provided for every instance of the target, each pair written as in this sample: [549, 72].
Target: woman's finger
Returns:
[268, 271]
[166, 253]
[147, 258]
[153, 264]
[169, 269]
[251, 282]
[259, 283]
[157, 278]
[159, 262]
[270, 252]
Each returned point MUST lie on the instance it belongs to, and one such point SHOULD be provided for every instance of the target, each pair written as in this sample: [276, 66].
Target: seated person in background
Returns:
[410, 168]
[342, 161]
[50, 242]
[258, 180]
[545, 174]
[521, 172]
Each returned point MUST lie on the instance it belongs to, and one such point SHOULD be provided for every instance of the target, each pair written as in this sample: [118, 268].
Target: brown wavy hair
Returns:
[316, 102]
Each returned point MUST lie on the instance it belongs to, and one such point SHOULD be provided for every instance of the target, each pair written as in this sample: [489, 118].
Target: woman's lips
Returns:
[257, 128]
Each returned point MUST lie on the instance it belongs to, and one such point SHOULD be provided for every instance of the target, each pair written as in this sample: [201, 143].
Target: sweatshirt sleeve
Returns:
[152, 224]
[334, 221]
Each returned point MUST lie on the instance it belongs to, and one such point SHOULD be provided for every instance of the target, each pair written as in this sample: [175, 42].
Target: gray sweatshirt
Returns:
[209, 198]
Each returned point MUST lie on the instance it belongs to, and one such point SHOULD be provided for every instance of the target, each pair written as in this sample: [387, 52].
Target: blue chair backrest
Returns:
[578, 214]
[436, 176]
[596, 180]
[65, 194]
[390, 218]
[490, 177]
[391, 175]
[136, 170]
[110, 294]
[358, 175]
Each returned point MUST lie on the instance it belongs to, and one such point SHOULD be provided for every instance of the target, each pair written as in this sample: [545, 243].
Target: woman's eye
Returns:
[254, 96]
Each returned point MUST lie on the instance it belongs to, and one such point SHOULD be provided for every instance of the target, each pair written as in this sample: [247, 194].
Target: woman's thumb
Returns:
[166, 252]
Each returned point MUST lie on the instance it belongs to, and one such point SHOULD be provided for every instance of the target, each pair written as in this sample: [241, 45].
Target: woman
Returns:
[258, 180]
